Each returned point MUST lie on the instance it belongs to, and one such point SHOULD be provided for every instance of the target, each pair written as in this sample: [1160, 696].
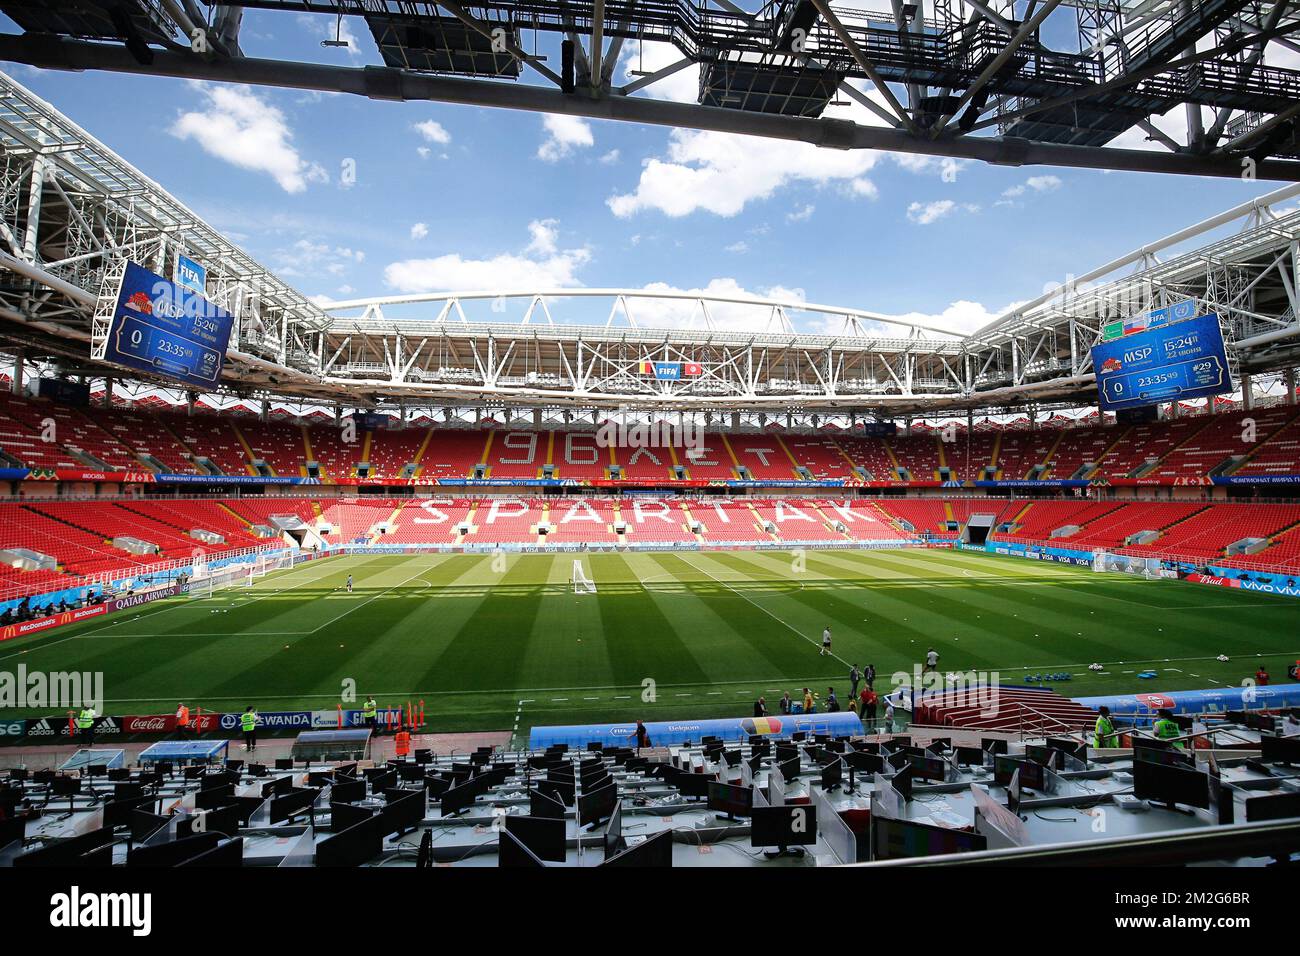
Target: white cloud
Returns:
[803, 214]
[564, 134]
[309, 258]
[239, 127]
[432, 132]
[424, 152]
[419, 231]
[610, 158]
[1038, 184]
[540, 265]
[924, 214]
[685, 313]
[544, 233]
[737, 247]
[722, 172]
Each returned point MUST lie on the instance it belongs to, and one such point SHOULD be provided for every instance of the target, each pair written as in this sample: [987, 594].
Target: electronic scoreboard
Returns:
[161, 327]
[1173, 362]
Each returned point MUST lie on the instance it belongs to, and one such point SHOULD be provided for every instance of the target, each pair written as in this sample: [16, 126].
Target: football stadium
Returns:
[577, 554]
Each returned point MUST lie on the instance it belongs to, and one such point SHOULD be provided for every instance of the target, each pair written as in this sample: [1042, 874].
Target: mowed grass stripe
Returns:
[740, 637]
[640, 638]
[265, 664]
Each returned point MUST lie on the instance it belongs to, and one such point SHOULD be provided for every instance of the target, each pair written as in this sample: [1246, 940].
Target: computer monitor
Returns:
[597, 805]
[655, 851]
[970, 756]
[283, 763]
[614, 842]
[544, 805]
[347, 791]
[357, 844]
[1032, 774]
[173, 852]
[226, 853]
[903, 839]
[1170, 784]
[1075, 748]
[832, 774]
[860, 761]
[144, 824]
[902, 782]
[404, 813]
[1273, 806]
[344, 815]
[223, 820]
[692, 784]
[731, 757]
[788, 825]
[457, 799]
[512, 851]
[1045, 756]
[1279, 749]
[544, 836]
[789, 768]
[993, 745]
[730, 799]
[927, 767]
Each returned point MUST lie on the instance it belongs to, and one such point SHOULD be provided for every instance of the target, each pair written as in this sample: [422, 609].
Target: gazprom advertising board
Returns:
[164, 328]
[1168, 363]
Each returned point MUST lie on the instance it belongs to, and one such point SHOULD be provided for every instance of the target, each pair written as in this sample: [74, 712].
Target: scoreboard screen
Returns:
[164, 328]
[1169, 363]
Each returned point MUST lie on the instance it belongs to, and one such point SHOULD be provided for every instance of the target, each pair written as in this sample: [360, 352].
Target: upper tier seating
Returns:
[1258, 442]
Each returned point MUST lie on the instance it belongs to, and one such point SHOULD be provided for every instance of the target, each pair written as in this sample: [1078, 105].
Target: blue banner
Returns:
[1212, 701]
[673, 732]
[1172, 362]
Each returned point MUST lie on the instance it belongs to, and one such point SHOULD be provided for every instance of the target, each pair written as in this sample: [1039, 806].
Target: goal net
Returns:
[581, 583]
[1147, 568]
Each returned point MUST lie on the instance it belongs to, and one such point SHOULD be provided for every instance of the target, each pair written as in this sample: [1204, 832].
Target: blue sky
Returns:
[456, 197]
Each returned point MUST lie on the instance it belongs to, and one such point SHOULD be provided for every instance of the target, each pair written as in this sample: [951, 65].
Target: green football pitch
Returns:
[503, 644]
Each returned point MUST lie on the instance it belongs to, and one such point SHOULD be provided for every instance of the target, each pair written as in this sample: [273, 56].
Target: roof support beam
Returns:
[399, 85]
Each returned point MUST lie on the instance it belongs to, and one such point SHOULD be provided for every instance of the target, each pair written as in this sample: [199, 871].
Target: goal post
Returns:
[581, 583]
[1149, 569]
